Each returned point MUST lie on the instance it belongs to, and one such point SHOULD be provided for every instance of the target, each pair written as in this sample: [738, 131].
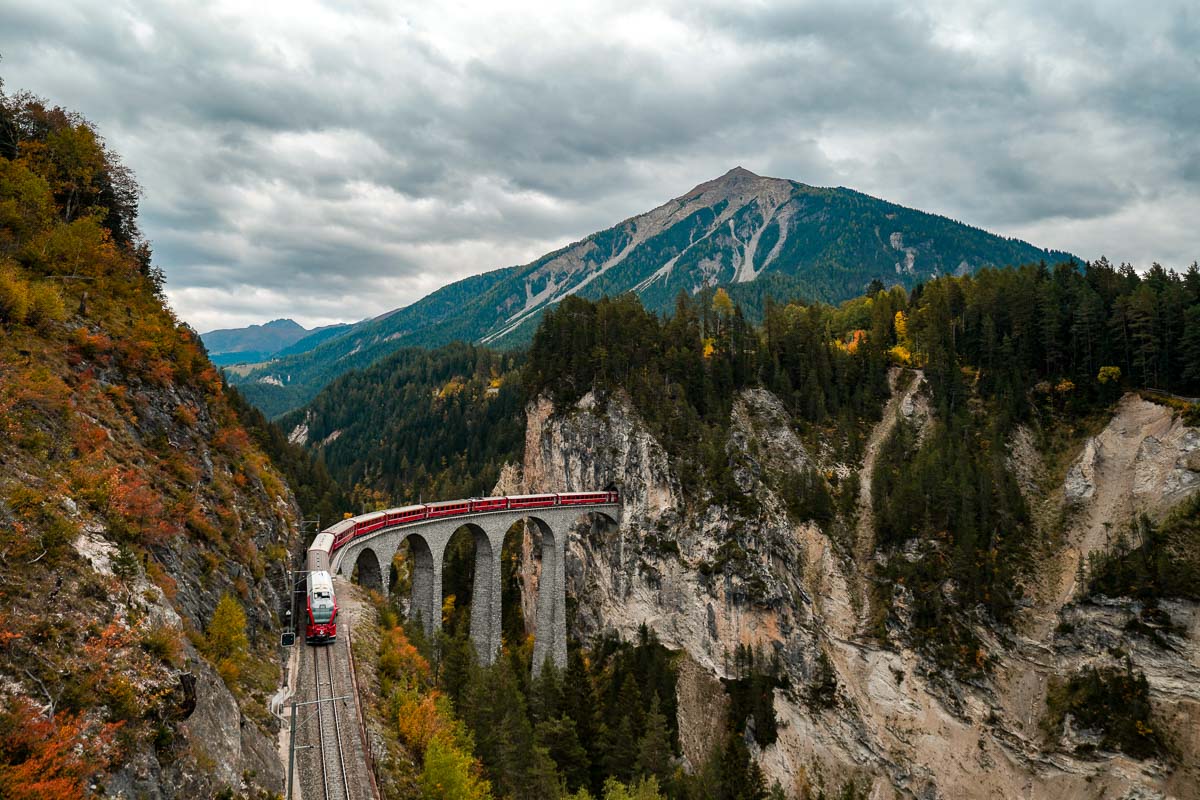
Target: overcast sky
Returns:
[331, 161]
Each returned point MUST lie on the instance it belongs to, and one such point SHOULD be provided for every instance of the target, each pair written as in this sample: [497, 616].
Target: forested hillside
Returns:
[420, 423]
[143, 533]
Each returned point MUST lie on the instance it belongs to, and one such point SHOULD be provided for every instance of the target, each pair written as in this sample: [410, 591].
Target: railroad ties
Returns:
[330, 746]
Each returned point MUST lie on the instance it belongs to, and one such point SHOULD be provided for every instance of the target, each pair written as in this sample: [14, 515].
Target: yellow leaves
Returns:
[1109, 375]
[722, 303]
[37, 304]
[1064, 387]
[452, 388]
[71, 159]
[26, 205]
[226, 639]
[14, 295]
[81, 248]
[450, 773]
[710, 347]
[900, 355]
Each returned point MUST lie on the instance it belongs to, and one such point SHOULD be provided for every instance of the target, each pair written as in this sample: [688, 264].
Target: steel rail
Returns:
[321, 722]
[337, 727]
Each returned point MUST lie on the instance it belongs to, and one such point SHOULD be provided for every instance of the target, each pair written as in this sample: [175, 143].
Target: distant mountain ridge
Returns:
[259, 342]
[825, 244]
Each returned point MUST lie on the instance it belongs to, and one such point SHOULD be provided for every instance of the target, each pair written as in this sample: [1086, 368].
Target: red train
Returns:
[322, 609]
[348, 529]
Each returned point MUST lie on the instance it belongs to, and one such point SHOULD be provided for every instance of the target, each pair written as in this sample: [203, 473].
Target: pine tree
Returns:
[561, 741]
[741, 778]
[546, 693]
[226, 642]
[457, 662]
[1190, 349]
[654, 749]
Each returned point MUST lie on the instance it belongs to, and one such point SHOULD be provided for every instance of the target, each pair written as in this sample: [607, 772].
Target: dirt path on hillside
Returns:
[902, 403]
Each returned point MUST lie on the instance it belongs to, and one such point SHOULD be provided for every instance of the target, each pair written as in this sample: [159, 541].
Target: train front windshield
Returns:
[322, 608]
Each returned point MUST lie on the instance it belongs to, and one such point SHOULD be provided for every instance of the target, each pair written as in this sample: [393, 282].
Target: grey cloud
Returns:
[349, 160]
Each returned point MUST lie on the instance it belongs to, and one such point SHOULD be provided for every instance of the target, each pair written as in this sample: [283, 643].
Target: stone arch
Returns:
[426, 602]
[485, 591]
[595, 517]
[370, 573]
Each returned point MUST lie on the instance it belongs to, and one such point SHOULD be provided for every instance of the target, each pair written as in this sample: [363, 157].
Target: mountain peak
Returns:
[283, 324]
[739, 172]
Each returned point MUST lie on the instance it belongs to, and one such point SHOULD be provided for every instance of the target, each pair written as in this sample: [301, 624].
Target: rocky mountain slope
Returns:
[822, 243]
[854, 707]
[143, 535]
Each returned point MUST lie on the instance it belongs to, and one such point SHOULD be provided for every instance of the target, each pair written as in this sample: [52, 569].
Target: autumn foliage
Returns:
[49, 759]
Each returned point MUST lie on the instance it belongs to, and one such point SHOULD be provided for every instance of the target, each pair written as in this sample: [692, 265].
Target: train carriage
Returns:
[318, 553]
[322, 609]
[585, 498]
[532, 500]
[399, 516]
[480, 504]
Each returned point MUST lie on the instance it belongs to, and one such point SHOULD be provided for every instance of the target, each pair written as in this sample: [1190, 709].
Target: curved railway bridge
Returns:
[369, 542]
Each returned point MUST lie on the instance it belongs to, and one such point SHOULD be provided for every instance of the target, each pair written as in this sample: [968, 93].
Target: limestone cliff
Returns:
[706, 578]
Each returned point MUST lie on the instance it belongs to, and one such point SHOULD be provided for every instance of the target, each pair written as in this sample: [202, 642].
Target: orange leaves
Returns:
[87, 437]
[233, 441]
[401, 661]
[7, 634]
[186, 415]
[133, 498]
[44, 759]
[92, 346]
[135, 508]
[210, 380]
[416, 717]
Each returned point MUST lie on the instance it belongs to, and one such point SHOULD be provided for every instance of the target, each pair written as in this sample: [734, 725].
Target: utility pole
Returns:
[291, 751]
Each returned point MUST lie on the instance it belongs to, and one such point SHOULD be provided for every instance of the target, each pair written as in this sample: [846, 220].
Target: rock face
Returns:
[707, 578]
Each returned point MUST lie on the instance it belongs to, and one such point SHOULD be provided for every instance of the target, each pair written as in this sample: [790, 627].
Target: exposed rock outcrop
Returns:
[707, 578]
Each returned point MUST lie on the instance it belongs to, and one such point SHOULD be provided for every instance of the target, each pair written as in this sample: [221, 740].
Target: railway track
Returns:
[334, 778]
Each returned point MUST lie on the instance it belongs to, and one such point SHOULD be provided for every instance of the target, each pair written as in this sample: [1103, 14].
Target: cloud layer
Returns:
[331, 161]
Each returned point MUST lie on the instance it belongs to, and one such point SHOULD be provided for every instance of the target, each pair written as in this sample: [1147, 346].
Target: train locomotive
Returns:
[321, 625]
[322, 605]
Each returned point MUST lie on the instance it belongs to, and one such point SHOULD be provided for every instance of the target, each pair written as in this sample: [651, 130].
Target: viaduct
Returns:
[372, 553]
